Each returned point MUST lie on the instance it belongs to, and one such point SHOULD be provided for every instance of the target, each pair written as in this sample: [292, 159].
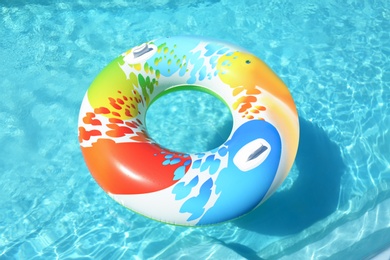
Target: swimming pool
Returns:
[333, 56]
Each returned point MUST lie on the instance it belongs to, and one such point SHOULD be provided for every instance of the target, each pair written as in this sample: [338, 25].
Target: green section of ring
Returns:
[189, 87]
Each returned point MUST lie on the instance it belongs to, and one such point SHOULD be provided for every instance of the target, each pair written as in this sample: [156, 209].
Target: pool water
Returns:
[333, 55]
[189, 121]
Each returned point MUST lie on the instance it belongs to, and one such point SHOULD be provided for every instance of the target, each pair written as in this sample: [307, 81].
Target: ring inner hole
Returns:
[188, 121]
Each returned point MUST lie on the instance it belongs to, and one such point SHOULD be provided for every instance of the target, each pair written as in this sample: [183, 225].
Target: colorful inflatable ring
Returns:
[178, 188]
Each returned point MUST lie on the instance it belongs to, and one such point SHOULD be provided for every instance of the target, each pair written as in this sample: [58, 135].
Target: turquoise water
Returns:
[333, 55]
[189, 121]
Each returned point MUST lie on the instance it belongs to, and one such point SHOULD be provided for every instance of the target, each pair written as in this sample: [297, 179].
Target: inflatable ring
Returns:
[179, 188]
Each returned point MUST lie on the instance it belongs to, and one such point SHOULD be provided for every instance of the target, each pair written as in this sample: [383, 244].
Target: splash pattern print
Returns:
[193, 189]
